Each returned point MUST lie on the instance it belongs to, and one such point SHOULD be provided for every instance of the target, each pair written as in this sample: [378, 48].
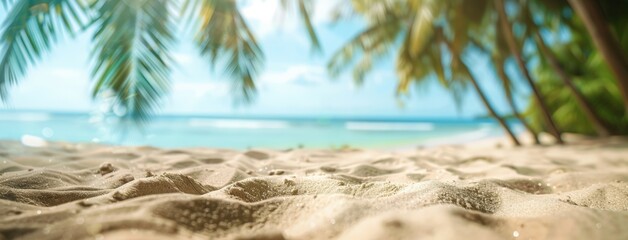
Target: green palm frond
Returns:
[224, 35]
[421, 28]
[597, 84]
[5, 4]
[436, 60]
[409, 68]
[378, 11]
[305, 9]
[343, 10]
[370, 44]
[132, 59]
[30, 30]
[418, 69]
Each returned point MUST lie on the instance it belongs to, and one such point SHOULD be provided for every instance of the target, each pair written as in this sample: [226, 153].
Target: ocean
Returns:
[245, 132]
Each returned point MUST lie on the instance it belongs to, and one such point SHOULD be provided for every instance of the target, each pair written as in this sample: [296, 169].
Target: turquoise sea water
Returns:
[242, 133]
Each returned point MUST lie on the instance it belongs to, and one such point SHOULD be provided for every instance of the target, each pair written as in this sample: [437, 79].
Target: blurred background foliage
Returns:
[589, 70]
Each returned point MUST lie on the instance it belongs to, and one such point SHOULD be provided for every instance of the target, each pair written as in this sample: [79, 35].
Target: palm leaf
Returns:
[132, 42]
[421, 28]
[30, 30]
[305, 9]
[224, 35]
[378, 11]
[6, 3]
[372, 43]
[406, 71]
[436, 61]
[419, 69]
[410, 68]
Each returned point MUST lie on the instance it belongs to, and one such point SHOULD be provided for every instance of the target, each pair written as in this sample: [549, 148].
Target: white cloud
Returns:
[323, 11]
[296, 74]
[54, 89]
[199, 90]
[267, 17]
[66, 73]
[262, 16]
[195, 97]
[182, 58]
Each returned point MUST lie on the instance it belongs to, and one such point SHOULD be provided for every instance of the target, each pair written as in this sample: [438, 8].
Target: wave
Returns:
[386, 126]
[25, 117]
[238, 123]
[33, 141]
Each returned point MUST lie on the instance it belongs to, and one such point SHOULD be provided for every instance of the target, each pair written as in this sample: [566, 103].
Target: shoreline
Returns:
[243, 133]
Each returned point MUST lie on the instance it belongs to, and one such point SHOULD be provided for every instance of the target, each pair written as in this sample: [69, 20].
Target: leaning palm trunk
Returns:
[486, 103]
[598, 124]
[476, 86]
[501, 73]
[590, 13]
[512, 45]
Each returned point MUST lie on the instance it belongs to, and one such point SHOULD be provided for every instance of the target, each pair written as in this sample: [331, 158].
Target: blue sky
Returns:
[293, 82]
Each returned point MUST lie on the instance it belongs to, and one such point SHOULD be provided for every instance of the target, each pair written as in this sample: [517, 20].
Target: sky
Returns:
[294, 81]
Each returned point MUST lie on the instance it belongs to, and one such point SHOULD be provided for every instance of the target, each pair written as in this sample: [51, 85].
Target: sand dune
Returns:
[83, 191]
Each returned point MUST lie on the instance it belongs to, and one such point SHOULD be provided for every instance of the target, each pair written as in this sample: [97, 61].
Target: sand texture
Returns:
[74, 191]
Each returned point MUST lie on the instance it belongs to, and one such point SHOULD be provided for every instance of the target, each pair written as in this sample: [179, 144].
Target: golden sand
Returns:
[78, 191]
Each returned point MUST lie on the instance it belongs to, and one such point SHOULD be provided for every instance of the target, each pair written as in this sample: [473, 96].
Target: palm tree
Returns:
[495, 47]
[500, 68]
[30, 29]
[413, 28]
[590, 13]
[514, 49]
[131, 50]
[598, 124]
[132, 42]
[464, 69]
[592, 77]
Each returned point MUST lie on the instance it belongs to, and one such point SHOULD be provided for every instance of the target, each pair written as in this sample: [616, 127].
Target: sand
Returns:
[84, 191]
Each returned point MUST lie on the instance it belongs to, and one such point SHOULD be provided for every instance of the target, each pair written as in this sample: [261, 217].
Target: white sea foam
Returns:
[387, 126]
[238, 123]
[481, 132]
[25, 117]
[33, 141]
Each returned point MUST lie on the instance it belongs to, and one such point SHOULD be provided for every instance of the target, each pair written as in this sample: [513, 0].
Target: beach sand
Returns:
[85, 191]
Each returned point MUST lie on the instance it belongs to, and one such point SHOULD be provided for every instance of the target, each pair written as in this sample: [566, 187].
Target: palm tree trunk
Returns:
[501, 73]
[477, 88]
[512, 45]
[487, 104]
[591, 14]
[598, 124]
